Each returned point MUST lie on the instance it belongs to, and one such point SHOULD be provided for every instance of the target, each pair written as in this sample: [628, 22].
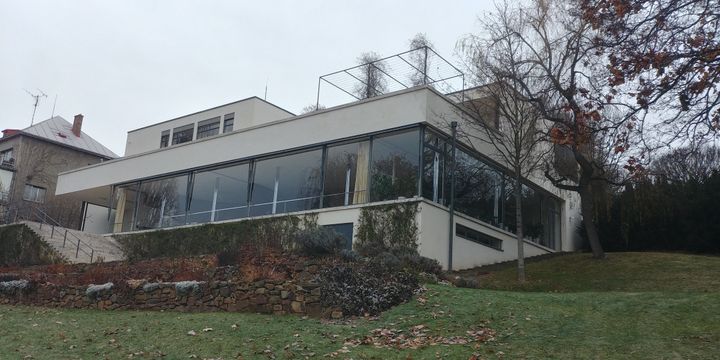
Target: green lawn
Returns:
[614, 315]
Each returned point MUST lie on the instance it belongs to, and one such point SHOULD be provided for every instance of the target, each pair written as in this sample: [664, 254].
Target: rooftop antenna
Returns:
[52, 115]
[266, 84]
[37, 100]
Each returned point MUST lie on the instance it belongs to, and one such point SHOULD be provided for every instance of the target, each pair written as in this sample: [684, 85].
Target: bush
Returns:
[317, 240]
[349, 255]
[384, 262]
[359, 291]
[20, 246]
[387, 228]
[262, 234]
[421, 264]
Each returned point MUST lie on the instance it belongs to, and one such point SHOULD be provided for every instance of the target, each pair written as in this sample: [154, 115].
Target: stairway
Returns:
[91, 248]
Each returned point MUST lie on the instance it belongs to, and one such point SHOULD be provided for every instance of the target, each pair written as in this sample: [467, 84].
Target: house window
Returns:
[6, 157]
[346, 169]
[208, 128]
[228, 123]
[345, 231]
[34, 193]
[219, 194]
[287, 183]
[164, 139]
[478, 237]
[395, 166]
[182, 134]
[162, 203]
[5, 182]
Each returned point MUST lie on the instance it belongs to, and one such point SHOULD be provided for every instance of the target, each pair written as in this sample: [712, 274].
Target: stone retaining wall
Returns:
[297, 296]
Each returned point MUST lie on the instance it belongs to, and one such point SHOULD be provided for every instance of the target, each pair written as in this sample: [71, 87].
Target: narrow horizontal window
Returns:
[478, 237]
[34, 193]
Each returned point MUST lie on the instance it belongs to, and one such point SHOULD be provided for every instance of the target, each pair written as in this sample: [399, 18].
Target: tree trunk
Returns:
[519, 230]
[586, 209]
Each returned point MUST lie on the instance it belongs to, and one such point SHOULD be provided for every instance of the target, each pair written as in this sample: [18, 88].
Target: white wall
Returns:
[248, 112]
[96, 219]
[346, 121]
[433, 241]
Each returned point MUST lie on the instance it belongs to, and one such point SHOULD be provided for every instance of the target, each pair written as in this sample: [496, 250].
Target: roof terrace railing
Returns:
[417, 67]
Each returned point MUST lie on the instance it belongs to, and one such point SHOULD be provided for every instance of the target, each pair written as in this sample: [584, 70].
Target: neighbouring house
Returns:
[32, 158]
[251, 159]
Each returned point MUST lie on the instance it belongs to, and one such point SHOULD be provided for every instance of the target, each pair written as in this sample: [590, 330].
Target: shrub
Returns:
[20, 246]
[349, 255]
[358, 291]
[317, 240]
[262, 234]
[421, 264]
[387, 228]
[384, 262]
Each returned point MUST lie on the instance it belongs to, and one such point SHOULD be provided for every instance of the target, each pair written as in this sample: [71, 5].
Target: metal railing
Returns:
[11, 215]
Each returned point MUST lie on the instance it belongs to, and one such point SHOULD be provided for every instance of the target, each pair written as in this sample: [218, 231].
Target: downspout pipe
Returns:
[451, 227]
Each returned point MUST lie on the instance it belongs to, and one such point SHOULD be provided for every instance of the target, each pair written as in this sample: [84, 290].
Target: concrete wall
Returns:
[347, 121]
[96, 219]
[433, 222]
[249, 112]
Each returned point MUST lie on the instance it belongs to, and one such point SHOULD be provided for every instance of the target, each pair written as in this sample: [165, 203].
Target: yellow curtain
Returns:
[120, 210]
[362, 172]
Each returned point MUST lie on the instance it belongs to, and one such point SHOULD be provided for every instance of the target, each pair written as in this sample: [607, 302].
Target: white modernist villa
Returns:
[251, 159]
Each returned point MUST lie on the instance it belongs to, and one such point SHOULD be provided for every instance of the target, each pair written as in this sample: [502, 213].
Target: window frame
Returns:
[36, 198]
[208, 128]
[185, 129]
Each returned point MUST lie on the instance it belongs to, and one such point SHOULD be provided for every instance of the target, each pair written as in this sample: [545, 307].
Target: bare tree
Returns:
[312, 107]
[419, 58]
[503, 116]
[687, 164]
[555, 46]
[372, 80]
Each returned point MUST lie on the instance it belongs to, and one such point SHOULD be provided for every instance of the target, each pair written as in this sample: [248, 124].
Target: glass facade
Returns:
[395, 166]
[398, 164]
[219, 194]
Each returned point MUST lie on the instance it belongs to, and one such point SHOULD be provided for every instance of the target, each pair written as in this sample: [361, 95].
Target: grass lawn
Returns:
[575, 308]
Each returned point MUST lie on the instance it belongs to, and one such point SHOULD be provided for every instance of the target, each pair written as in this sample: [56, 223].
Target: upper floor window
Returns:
[6, 156]
[165, 138]
[228, 123]
[182, 134]
[34, 193]
[208, 128]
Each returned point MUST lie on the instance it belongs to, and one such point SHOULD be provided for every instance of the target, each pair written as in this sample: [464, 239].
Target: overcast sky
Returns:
[127, 64]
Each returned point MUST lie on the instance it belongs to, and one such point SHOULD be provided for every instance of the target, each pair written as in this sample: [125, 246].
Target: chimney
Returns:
[77, 125]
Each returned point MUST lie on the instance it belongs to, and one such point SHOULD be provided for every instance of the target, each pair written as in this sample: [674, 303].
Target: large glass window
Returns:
[182, 134]
[162, 203]
[346, 169]
[435, 183]
[219, 194]
[394, 169]
[287, 183]
[124, 205]
[551, 237]
[477, 188]
[533, 227]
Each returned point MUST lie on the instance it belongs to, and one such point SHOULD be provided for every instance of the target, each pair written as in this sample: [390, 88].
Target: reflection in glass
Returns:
[288, 183]
[162, 203]
[346, 168]
[219, 194]
[477, 189]
[395, 166]
[124, 205]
